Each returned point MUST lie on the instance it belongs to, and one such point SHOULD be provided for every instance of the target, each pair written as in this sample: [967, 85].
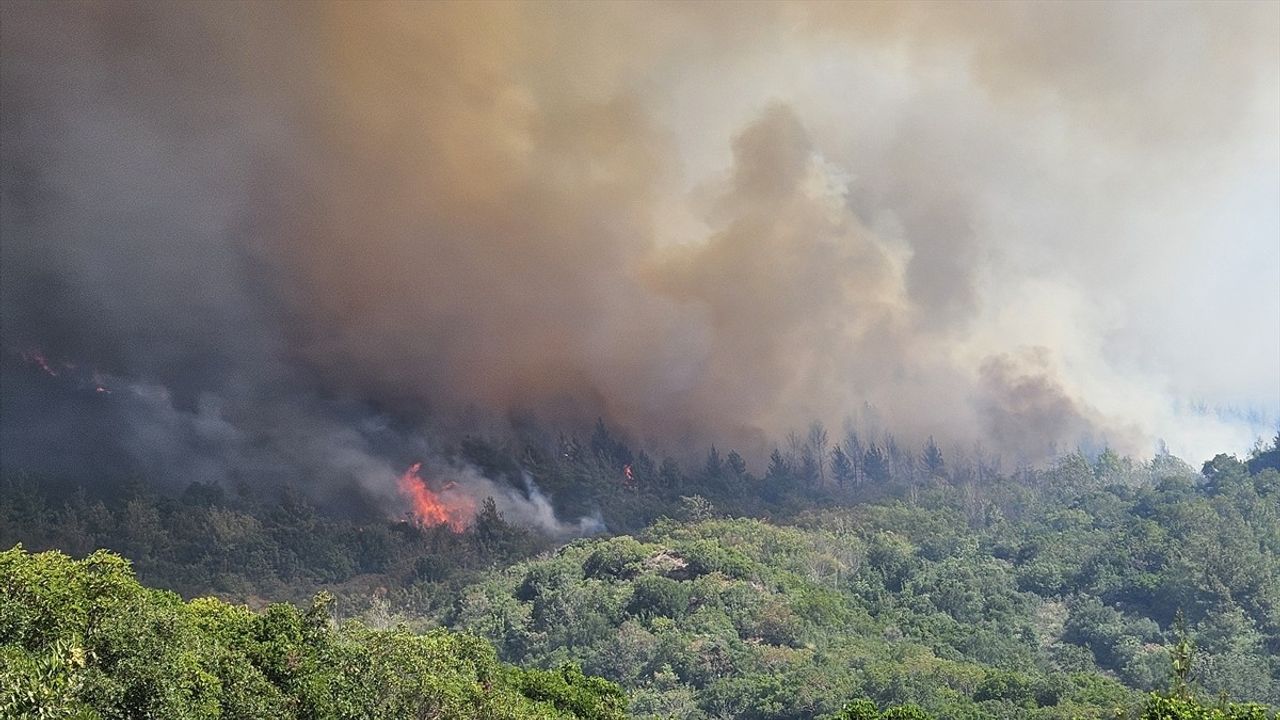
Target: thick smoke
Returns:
[308, 228]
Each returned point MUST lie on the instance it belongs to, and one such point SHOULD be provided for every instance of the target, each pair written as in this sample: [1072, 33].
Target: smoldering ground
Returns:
[697, 222]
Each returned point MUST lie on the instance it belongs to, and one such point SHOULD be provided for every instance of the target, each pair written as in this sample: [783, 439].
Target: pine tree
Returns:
[932, 458]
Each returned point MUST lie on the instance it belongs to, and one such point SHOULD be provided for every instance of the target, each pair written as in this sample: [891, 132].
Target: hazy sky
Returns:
[1031, 225]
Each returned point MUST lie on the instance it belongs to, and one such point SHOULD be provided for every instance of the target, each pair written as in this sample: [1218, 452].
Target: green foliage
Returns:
[740, 618]
[657, 596]
[866, 710]
[1159, 707]
[82, 639]
[619, 558]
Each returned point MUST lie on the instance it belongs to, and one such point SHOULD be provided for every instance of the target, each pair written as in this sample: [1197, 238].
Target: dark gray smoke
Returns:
[301, 235]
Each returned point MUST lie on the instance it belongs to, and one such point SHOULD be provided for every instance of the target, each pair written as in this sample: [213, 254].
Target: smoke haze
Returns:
[1030, 226]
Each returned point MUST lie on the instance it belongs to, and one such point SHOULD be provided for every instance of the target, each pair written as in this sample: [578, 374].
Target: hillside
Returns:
[1058, 613]
[1051, 594]
[732, 360]
[82, 639]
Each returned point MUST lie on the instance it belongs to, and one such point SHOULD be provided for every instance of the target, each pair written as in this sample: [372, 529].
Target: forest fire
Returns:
[432, 508]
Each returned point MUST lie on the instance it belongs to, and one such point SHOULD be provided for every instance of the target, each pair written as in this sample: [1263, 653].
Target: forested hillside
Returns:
[1047, 612]
[734, 360]
[931, 581]
[82, 639]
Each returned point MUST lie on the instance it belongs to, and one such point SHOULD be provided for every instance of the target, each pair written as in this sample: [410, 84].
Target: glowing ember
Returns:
[448, 507]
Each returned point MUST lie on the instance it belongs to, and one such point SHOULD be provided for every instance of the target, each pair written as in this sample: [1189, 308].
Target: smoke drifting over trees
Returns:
[281, 224]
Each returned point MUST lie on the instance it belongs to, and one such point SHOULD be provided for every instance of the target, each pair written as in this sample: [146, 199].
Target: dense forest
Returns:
[846, 577]
[82, 639]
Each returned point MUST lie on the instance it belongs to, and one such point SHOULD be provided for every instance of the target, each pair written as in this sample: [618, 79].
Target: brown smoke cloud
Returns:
[698, 221]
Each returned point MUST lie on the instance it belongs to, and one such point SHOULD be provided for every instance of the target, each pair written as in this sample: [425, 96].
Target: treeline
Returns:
[82, 639]
[251, 541]
[252, 545]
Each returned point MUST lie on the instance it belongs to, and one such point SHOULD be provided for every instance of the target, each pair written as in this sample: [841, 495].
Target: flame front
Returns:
[448, 507]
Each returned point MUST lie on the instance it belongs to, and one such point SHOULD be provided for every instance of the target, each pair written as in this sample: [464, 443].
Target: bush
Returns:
[657, 596]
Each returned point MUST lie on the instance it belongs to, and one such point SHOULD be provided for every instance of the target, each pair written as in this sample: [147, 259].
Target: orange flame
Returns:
[448, 507]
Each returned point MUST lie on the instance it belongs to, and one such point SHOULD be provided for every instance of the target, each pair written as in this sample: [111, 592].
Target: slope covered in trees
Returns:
[901, 579]
[1050, 608]
[743, 619]
[82, 639]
